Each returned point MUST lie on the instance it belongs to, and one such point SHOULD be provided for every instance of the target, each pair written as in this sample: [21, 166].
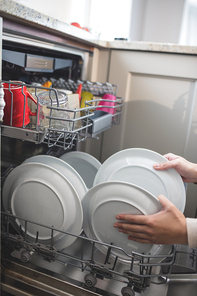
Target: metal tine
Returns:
[8, 224]
[25, 230]
[92, 254]
[113, 268]
[82, 250]
[141, 267]
[132, 263]
[37, 234]
[21, 232]
[52, 237]
[99, 89]
[108, 254]
[11, 111]
[89, 86]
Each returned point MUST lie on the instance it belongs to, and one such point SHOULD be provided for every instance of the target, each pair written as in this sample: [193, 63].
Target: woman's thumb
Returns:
[164, 201]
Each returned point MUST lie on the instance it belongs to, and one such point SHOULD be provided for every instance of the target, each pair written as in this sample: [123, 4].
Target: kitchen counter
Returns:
[22, 14]
[153, 46]
[12, 9]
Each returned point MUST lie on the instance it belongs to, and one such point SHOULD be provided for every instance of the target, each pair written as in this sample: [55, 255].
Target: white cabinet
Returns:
[160, 106]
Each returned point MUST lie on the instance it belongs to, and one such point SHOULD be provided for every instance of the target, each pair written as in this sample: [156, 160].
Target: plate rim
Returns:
[64, 166]
[123, 153]
[87, 223]
[7, 189]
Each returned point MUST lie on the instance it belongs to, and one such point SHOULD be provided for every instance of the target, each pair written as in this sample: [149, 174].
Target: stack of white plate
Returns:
[48, 191]
[135, 166]
[77, 192]
[127, 183]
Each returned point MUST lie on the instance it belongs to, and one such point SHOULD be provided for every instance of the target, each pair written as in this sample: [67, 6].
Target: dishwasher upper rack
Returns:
[136, 275]
[96, 88]
[78, 120]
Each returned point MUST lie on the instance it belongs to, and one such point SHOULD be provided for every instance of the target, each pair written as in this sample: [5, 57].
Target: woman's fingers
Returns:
[135, 219]
[166, 165]
[165, 227]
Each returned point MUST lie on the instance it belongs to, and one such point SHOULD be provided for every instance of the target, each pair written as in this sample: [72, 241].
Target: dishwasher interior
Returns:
[30, 267]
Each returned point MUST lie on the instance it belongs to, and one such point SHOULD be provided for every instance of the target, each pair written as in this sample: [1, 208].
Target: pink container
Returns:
[111, 103]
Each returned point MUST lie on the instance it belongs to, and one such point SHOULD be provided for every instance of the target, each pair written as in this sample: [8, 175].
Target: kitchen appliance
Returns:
[81, 269]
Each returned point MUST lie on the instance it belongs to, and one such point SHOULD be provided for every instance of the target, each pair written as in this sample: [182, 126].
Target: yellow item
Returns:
[47, 84]
[85, 96]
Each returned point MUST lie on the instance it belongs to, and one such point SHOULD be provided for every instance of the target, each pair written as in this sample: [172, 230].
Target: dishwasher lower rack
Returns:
[78, 123]
[84, 263]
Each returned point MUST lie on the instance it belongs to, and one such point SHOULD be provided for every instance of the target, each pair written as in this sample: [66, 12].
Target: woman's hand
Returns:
[165, 227]
[186, 169]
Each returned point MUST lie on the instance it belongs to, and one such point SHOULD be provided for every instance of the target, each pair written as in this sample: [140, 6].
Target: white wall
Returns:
[189, 24]
[64, 10]
[111, 18]
[165, 21]
[106, 19]
[157, 20]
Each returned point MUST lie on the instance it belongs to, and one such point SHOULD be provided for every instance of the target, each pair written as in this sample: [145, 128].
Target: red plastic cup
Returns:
[106, 104]
[16, 110]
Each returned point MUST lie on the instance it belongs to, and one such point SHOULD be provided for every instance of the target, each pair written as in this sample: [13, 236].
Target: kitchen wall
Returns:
[164, 21]
[105, 19]
[64, 10]
[158, 21]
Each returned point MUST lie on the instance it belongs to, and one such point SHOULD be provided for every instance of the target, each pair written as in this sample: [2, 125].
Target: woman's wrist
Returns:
[195, 174]
[192, 232]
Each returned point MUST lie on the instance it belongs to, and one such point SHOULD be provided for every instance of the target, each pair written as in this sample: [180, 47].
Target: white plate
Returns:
[103, 202]
[136, 166]
[40, 194]
[85, 164]
[65, 169]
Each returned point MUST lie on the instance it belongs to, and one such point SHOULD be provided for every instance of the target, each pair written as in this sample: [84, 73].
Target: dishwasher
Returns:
[30, 267]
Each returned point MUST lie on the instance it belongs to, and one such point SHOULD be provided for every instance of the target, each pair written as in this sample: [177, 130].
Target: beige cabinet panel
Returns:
[158, 89]
[157, 113]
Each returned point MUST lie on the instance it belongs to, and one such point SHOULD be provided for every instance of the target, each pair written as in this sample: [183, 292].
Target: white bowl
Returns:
[85, 164]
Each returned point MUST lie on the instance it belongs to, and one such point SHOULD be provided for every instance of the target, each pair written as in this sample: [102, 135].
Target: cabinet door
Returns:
[157, 113]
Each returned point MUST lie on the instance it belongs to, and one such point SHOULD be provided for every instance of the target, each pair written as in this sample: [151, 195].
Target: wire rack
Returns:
[76, 124]
[137, 275]
[96, 88]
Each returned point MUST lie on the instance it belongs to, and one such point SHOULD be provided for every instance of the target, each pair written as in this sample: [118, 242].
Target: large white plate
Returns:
[85, 164]
[65, 169]
[103, 202]
[41, 194]
[135, 165]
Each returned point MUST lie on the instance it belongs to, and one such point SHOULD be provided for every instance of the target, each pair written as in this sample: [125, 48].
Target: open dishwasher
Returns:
[29, 267]
[32, 268]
